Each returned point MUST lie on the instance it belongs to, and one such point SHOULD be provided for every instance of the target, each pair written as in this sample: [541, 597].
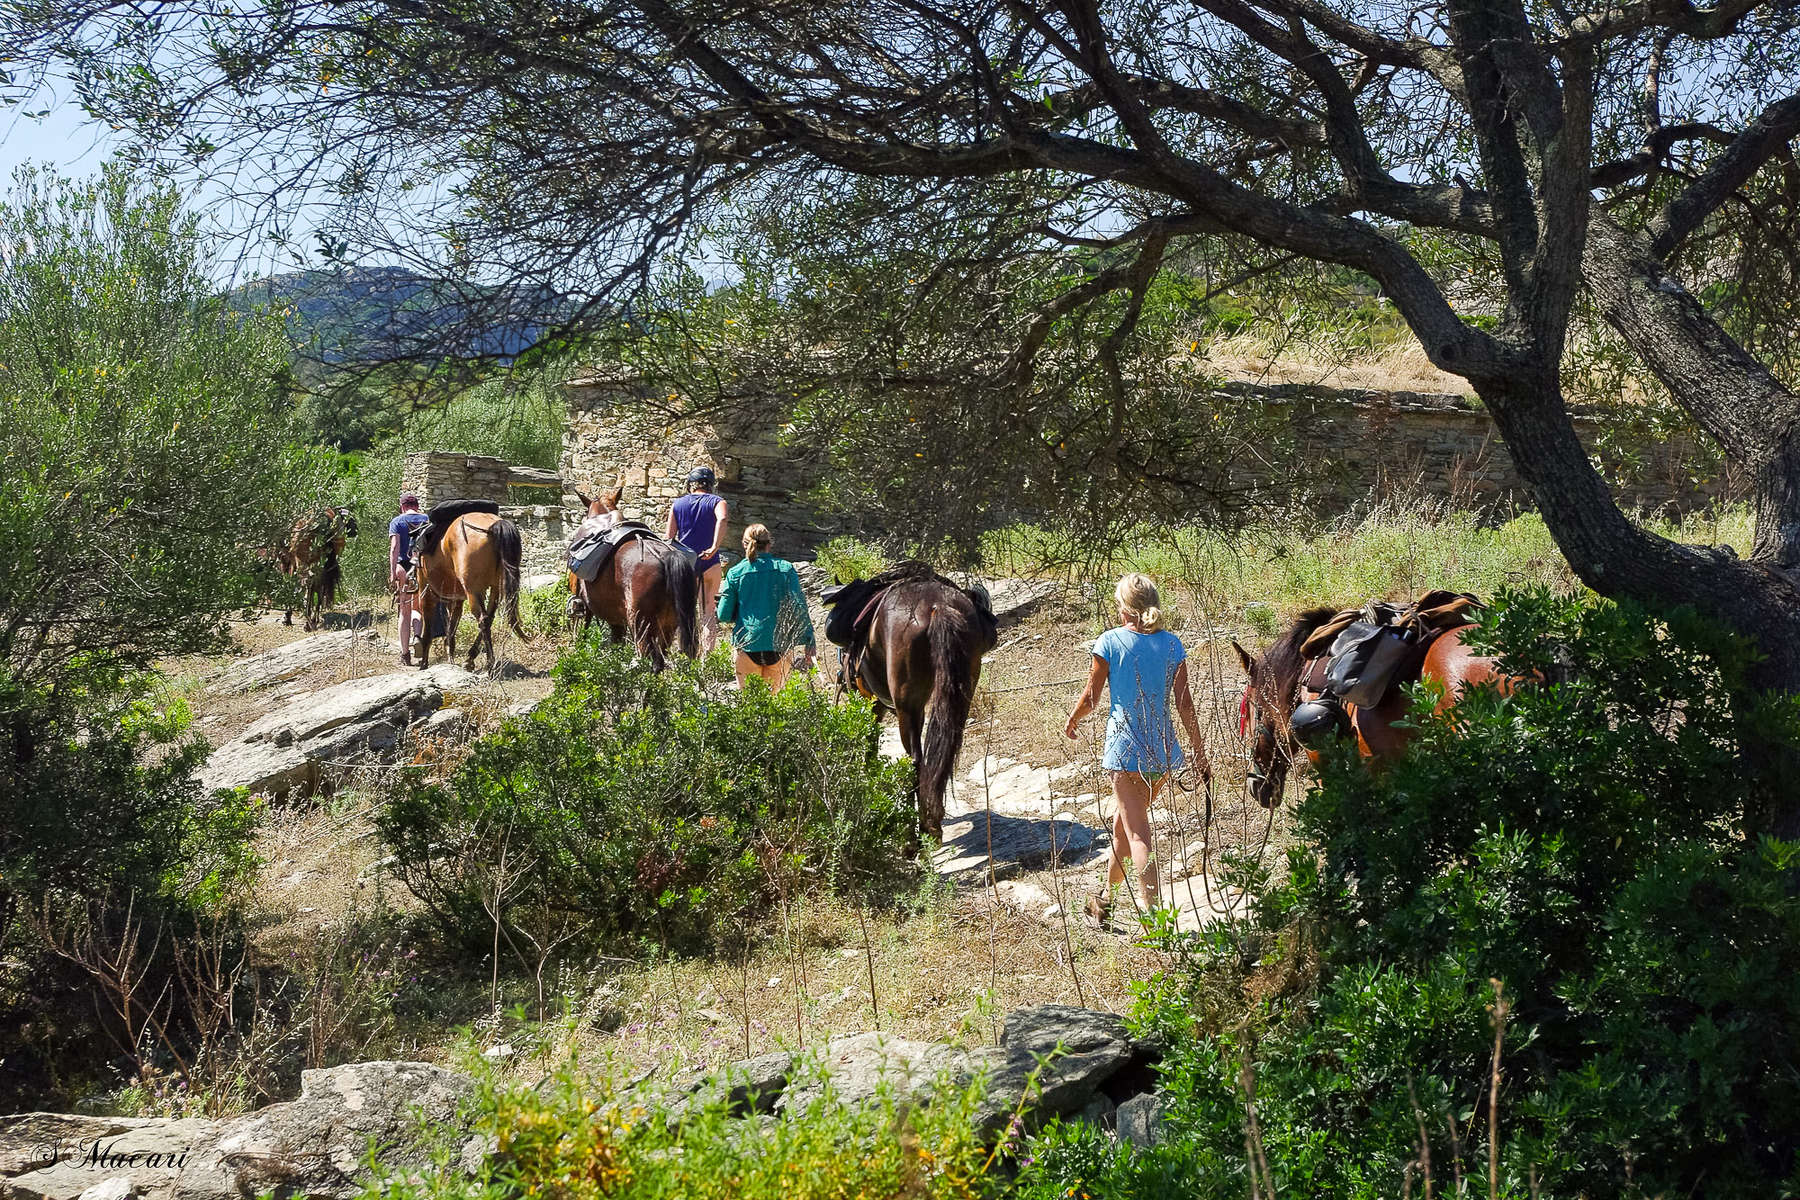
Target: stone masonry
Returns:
[613, 439]
[1352, 445]
[437, 476]
[1346, 445]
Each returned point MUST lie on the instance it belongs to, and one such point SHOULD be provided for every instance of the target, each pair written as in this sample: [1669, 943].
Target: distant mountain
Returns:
[363, 314]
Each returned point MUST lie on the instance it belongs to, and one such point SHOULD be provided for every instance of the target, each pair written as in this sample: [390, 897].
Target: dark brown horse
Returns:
[310, 554]
[1274, 691]
[476, 559]
[922, 658]
[648, 588]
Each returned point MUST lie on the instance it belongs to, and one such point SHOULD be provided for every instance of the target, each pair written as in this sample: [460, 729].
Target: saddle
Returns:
[440, 517]
[1359, 654]
[589, 553]
[852, 612]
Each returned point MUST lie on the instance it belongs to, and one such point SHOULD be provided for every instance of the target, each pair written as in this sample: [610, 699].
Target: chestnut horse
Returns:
[649, 587]
[477, 559]
[924, 648]
[310, 553]
[1274, 691]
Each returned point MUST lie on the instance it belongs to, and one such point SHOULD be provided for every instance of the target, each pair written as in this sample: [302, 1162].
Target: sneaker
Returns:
[1099, 906]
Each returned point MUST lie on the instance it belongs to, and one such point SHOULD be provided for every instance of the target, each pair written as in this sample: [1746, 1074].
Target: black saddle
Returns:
[589, 554]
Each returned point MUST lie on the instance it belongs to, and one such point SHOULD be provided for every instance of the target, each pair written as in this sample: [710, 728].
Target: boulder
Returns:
[281, 753]
[1139, 1120]
[862, 1066]
[1052, 1060]
[287, 662]
[312, 1146]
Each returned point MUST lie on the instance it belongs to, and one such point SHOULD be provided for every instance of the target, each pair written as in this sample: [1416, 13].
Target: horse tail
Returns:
[952, 693]
[684, 589]
[512, 551]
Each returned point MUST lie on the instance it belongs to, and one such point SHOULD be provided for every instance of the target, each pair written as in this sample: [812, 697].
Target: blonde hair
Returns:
[1138, 600]
[757, 539]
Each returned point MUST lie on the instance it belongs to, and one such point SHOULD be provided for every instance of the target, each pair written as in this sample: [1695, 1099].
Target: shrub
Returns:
[102, 830]
[574, 1137]
[1581, 846]
[146, 427]
[545, 610]
[669, 808]
[846, 558]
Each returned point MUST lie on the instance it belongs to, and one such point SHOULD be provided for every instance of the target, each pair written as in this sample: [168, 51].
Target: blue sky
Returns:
[64, 138]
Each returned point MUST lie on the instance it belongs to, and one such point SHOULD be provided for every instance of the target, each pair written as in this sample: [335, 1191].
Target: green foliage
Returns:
[97, 798]
[669, 808]
[573, 1137]
[545, 611]
[847, 558]
[146, 429]
[516, 416]
[1582, 846]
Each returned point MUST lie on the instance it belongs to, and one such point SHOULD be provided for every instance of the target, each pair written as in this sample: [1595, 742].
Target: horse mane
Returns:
[1281, 662]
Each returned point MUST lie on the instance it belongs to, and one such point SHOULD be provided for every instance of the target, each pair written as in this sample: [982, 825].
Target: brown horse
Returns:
[476, 559]
[310, 554]
[649, 587]
[923, 659]
[1274, 691]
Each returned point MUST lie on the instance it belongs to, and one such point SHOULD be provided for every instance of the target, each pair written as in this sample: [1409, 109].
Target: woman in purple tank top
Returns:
[698, 521]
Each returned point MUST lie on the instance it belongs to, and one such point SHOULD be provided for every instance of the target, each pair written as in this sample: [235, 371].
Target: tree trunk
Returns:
[1621, 560]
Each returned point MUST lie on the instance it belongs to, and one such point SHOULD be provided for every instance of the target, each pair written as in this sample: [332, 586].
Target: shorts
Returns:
[762, 658]
[705, 563]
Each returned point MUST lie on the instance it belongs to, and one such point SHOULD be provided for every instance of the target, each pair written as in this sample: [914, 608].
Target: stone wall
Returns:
[1353, 444]
[1346, 446]
[613, 439]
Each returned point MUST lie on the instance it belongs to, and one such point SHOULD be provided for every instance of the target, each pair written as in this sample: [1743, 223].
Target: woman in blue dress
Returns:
[1144, 667]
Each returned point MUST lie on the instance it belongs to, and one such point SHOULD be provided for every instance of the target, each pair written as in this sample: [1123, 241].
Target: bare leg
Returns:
[1133, 794]
[710, 583]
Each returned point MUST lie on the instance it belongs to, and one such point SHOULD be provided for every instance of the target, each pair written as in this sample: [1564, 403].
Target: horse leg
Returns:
[452, 620]
[484, 629]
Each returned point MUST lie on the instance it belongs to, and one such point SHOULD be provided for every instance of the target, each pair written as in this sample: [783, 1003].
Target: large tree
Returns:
[1626, 158]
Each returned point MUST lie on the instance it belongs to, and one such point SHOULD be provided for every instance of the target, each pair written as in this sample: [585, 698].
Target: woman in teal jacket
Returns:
[763, 604]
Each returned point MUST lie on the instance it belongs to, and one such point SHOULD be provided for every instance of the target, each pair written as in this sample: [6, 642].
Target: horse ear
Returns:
[613, 497]
[583, 497]
[1245, 657]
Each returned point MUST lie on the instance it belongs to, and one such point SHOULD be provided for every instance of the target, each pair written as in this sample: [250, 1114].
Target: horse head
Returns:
[346, 519]
[1266, 707]
[602, 511]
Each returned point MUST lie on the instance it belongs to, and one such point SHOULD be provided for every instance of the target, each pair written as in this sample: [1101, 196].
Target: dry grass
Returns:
[1400, 365]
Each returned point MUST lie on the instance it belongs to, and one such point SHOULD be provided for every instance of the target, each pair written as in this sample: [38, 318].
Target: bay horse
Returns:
[310, 553]
[649, 588]
[922, 658]
[476, 559]
[1274, 691]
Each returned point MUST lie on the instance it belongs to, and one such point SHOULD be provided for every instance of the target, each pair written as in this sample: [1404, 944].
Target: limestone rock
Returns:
[314, 1145]
[861, 1066]
[286, 662]
[281, 753]
[117, 1188]
[1017, 844]
[1139, 1120]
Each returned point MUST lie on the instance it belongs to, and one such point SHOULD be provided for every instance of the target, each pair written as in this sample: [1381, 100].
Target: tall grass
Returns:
[1392, 551]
